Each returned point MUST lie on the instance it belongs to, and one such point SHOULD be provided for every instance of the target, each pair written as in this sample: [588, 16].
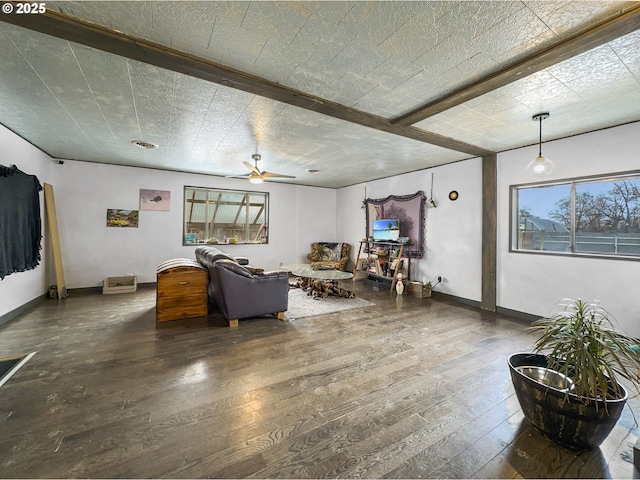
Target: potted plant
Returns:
[586, 356]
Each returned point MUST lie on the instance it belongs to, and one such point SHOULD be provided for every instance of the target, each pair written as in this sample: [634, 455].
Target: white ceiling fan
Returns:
[257, 176]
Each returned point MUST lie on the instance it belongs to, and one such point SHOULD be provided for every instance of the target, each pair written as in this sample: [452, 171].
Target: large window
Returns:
[593, 216]
[225, 216]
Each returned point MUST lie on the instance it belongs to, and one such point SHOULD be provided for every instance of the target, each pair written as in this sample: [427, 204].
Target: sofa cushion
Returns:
[326, 252]
[330, 254]
[207, 256]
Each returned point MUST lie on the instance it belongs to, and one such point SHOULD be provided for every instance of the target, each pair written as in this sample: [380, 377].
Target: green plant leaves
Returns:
[581, 341]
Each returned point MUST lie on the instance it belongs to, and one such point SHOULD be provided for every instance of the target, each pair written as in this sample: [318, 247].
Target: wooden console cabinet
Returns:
[181, 290]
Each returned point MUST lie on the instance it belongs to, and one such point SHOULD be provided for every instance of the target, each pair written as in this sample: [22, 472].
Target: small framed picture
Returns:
[159, 200]
[122, 218]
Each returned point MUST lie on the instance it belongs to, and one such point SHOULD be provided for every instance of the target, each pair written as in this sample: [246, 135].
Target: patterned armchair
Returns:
[327, 254]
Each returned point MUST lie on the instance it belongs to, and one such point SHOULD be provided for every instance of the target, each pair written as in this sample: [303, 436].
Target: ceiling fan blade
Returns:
[275, 175]
[252, 168]
[237, 176]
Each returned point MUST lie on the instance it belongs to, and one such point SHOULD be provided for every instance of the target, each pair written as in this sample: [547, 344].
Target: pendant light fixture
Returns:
[540, 166]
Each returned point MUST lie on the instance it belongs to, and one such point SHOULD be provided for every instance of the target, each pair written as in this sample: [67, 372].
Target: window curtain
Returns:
[20, 224]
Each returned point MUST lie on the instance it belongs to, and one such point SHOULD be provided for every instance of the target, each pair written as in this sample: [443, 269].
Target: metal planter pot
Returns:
[566, 418]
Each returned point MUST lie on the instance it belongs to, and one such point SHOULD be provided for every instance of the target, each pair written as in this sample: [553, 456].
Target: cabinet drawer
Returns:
[181, 307]
[179, 284]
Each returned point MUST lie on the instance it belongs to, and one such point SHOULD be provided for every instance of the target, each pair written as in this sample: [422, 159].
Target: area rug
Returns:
[302, 305]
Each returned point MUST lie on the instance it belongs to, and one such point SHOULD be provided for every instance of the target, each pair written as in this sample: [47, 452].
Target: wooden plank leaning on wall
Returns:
[54, 235]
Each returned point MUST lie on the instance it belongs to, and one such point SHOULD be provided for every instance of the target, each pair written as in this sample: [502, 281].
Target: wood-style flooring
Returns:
[409, 388]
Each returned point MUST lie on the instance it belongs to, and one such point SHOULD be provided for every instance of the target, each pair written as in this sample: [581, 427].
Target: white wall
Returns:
[534, 283]
[526, 283]
[453, 247]
[22, 287]
[350, 217]
[300, 215]
[91, 251]
[315, 219]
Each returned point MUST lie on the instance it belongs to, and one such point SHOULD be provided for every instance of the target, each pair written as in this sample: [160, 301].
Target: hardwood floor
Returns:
[409, 388]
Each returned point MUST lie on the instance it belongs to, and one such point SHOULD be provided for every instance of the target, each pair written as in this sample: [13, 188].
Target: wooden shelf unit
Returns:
[368, 245]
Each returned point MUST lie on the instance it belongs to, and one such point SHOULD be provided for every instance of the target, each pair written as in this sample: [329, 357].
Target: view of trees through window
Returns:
[216, 216]
[584, 216]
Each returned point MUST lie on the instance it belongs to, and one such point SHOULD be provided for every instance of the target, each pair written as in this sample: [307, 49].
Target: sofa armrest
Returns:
[239, 295]
[277, 273]
[232, 266]
[242, 260]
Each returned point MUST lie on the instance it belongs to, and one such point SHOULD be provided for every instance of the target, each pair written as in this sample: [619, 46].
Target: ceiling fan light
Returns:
[256, 180]
[540, 166]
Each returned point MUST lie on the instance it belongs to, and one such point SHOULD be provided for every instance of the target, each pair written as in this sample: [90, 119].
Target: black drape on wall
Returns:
[20, 225]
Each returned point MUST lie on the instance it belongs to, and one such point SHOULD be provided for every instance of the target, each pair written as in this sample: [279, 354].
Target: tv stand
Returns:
[379, 262]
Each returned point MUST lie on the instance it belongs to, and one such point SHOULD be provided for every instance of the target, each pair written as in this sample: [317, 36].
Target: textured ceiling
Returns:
[381, 59]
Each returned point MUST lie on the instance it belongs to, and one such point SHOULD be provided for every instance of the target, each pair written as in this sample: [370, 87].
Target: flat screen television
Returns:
[387, 230]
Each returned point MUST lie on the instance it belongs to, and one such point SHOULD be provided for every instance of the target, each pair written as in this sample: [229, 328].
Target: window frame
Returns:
[222, 191]
[572, 182]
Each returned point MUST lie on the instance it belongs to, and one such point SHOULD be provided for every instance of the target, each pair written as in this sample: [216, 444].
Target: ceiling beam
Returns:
[582, 42]
[102, 38]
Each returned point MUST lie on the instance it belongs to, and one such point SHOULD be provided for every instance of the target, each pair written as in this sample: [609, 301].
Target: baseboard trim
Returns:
[518, 314]
[22, 309]
[527, 317]
[85, 290]
[453, 298]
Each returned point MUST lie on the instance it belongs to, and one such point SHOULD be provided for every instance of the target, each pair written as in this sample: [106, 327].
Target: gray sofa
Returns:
[238, 292]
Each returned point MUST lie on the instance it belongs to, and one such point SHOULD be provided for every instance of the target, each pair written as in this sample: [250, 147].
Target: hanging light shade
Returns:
[540, 166]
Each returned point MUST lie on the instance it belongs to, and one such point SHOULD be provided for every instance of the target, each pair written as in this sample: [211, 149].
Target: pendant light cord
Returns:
[540, 144]
[540, 165]
[432, 185]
